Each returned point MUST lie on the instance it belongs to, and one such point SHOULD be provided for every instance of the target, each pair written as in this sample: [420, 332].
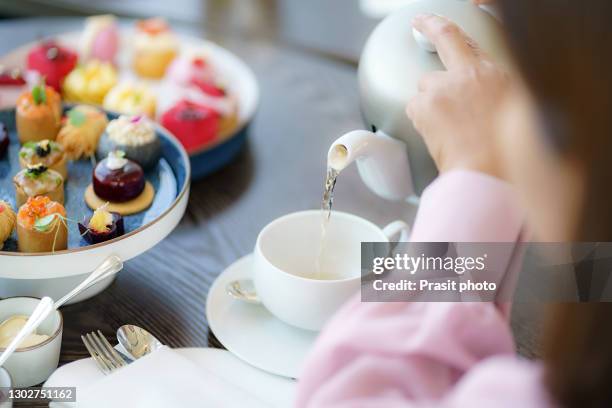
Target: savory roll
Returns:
[38, 180]
[7, 221]
[41, 226]
[38, 114]
[133, 135]
[46, 152]
[81, 131]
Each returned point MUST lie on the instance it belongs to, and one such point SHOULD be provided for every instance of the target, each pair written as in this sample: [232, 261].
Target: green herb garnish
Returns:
[39, 93]
[76, 117]
[36, 170]
[44, 224]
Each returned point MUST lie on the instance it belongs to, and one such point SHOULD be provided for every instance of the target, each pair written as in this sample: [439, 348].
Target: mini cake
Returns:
[14, 82]
[154, 48]
[53, 62]
[46, 152]
[89, 83]
[81, 131]
[102, 226]
[120, 182]
[41, 226]
[135, 136]
[38, 114]
[7, 221]
[4, 140]
[193, 124]
[100, 39]
[131, 99]
[186, 70]
[37, 180]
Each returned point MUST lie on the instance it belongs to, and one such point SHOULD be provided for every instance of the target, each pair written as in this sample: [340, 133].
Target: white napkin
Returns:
[166, 378]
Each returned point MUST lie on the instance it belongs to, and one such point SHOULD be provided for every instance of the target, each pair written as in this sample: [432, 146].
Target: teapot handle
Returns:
[397, 230]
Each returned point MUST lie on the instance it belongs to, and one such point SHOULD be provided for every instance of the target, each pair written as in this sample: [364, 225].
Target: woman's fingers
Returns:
[431, 79]
[455, 48]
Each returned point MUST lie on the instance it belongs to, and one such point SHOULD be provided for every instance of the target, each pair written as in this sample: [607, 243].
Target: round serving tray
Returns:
[54, 274]
[236, 75]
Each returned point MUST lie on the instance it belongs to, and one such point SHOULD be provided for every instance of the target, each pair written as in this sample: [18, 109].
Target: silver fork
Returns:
[105, 356]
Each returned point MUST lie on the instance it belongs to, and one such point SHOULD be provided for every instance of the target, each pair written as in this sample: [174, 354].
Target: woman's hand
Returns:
[455, 110]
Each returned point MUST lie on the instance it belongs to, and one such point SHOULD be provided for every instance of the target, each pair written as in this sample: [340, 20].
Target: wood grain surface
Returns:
[306, 103]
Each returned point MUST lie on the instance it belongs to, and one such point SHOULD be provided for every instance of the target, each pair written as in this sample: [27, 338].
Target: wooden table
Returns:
[306, 102]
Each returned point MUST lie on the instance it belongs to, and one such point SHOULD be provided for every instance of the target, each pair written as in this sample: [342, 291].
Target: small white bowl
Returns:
[5, 382]
[29, 366]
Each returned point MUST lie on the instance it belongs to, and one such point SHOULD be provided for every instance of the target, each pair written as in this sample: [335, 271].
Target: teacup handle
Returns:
[397, 231]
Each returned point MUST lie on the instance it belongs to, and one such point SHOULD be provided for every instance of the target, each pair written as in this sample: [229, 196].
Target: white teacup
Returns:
[285, 260]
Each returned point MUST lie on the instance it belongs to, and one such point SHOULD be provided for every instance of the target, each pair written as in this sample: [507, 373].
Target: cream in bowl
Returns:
[9, 329]
[38, 355]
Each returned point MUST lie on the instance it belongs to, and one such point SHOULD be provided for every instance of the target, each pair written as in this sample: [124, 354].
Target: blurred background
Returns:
[335, 28]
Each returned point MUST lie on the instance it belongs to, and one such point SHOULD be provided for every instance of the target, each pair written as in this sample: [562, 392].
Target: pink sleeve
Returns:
[412, 354]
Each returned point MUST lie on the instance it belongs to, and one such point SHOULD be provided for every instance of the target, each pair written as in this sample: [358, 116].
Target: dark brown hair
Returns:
[563, 49]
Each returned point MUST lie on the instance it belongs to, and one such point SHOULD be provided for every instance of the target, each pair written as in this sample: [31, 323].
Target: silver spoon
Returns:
[136, 341]
[243, 290]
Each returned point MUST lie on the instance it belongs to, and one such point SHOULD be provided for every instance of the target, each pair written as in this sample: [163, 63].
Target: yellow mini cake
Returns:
[90, 83]
[131, 99]
[154, 48]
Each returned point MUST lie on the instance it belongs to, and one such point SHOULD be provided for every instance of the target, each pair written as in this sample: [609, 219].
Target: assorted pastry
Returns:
[37, 180]
[14, 82]
[38, 114]
[129, 146]
[90, 82]
[171, 81]
[100, 39]
[135, 136]
[81, 130]
[41, 225]
[7, 221]
[131, 99]
[119, 183]
[155, 46]
[46, 152]
[52, 61]
[102, 226]
[4, 140]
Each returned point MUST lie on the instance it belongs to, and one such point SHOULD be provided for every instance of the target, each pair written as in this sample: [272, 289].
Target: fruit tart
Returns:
[37, 180]
[38, 114]
[121, 183]
[135, 136]
[81, 130]
[41, 226]
[102, 226]
[131, 99]
[100, 39]
[46, 152]
[53, 62]
[7, 221]
[155, 46]
[89, 83]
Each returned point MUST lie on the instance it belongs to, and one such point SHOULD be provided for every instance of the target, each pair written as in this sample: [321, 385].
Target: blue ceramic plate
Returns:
[169, 179]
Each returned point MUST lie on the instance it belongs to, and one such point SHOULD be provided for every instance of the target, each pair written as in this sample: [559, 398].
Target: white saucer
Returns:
[251, 332]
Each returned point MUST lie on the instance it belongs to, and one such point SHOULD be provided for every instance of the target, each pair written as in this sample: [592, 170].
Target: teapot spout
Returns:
[381, 160]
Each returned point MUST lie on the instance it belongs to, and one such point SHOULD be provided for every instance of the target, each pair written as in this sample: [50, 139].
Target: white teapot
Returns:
[392, 159]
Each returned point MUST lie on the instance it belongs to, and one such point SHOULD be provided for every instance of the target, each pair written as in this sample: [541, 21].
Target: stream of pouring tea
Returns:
[326, 208]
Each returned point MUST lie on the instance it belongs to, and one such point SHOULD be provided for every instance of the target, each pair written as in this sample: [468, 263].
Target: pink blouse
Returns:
[430, 354]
